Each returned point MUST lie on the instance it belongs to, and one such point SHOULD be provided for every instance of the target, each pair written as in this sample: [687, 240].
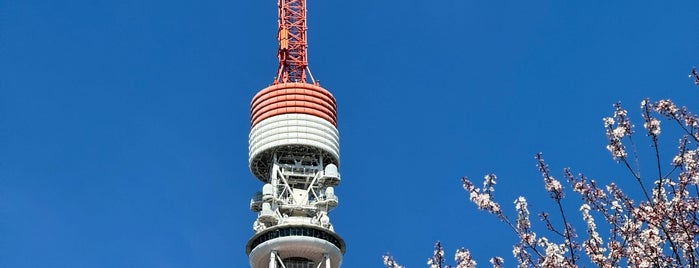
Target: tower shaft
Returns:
[294, 149]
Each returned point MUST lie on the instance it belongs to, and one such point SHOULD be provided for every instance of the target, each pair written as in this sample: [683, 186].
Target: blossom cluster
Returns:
[483, 198]
[618, 127]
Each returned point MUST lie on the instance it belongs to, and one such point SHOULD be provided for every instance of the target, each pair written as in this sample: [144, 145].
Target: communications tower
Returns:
[294, 150]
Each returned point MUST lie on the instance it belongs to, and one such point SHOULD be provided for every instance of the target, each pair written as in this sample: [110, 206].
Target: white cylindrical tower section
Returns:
[296, 118]
[295, 243]
[299, 134]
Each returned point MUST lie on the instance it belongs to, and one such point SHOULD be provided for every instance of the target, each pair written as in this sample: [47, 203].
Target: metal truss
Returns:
[298, 191]
[293, 45]
[275, 261]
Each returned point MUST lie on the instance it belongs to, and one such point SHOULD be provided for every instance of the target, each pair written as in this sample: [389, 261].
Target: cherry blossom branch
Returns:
[662, 231]
[555, 190]
[485, 200]
[653, 126]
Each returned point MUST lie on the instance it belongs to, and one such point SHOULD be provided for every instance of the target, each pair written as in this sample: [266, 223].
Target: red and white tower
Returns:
[295, 152]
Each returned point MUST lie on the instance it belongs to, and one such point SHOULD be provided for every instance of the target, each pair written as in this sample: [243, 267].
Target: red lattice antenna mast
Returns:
[293, 45]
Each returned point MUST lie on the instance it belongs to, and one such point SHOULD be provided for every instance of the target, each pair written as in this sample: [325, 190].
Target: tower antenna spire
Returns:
[293, 43]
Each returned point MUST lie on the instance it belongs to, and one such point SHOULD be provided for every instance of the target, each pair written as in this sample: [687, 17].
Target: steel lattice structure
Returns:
[293, 45]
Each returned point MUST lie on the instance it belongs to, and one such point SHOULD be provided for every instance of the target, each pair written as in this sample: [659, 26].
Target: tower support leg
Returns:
[272, 259]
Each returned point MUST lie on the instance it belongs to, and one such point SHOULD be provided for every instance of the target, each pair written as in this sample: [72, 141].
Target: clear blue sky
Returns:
[123, 124]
